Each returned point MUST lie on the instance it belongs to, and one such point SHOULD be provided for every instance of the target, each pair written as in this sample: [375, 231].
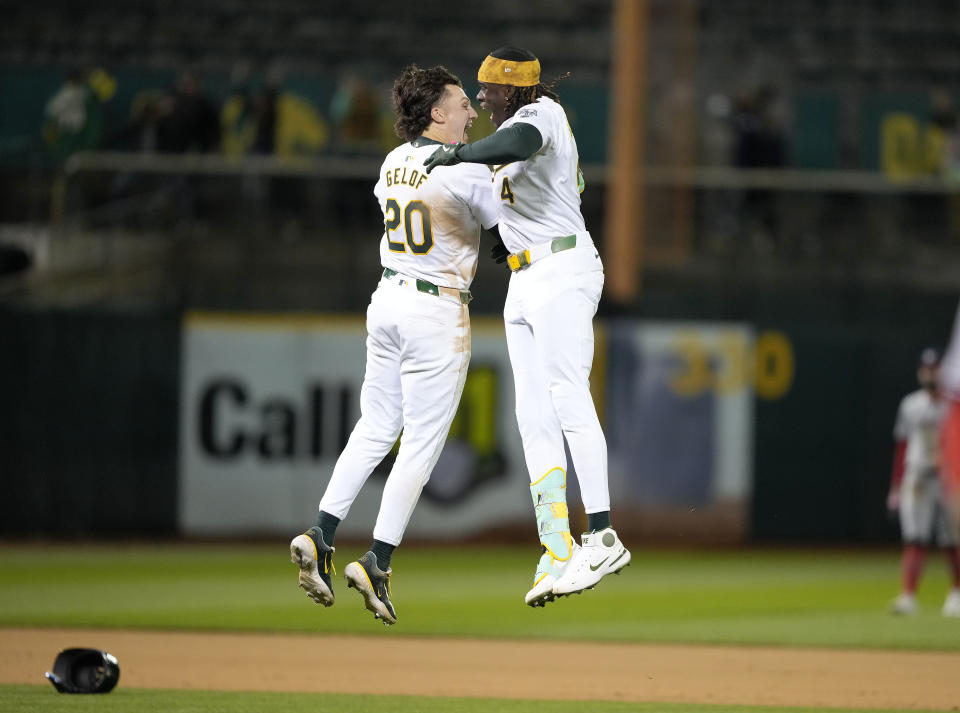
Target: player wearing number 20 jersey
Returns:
[418, 334]
[432, 222]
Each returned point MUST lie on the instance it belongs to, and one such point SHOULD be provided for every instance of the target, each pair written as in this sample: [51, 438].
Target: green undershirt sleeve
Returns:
[515, 143]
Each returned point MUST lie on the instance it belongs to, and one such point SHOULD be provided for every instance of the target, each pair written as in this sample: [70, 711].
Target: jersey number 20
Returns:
[392, 219]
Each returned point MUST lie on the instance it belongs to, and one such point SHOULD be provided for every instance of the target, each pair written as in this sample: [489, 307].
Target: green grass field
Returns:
[35, 699]
[731, 597]
[782, 598]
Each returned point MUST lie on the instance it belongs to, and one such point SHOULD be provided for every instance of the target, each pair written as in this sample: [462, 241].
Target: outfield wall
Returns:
[219, 425]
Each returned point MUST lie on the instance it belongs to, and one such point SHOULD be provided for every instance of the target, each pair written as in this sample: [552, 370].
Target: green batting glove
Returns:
[443, 156]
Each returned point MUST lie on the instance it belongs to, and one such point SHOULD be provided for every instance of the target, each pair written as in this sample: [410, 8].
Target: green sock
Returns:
[384, 552]
[598, 521]
[328, 526]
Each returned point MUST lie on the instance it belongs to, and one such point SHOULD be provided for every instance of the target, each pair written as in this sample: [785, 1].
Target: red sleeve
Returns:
[899, 462]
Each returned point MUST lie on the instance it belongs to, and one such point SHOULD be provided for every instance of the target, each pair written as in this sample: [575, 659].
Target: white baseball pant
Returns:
[418, 351]
[548, 317]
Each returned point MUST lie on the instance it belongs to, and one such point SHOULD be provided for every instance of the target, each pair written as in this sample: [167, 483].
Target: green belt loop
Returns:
[564, 243]
[388, 273]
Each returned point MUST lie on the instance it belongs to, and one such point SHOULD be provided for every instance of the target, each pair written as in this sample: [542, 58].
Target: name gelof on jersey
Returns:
[401, 176]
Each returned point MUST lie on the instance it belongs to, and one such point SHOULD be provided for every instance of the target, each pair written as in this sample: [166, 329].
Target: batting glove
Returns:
[499, 252]
[443, 156]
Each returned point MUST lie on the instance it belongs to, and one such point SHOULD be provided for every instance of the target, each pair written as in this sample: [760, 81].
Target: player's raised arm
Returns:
[514, 143]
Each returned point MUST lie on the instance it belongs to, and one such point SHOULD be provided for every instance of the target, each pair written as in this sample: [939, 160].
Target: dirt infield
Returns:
[502, 669]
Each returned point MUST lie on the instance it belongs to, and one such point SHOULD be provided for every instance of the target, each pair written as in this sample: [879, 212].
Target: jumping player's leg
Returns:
[432, 374]
[371, 439]
[540, 430]
[546, 459]
[563, 331]
[380, 417]
[435, 353]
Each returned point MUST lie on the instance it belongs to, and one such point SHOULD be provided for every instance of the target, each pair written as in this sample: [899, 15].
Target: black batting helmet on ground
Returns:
[84, 671]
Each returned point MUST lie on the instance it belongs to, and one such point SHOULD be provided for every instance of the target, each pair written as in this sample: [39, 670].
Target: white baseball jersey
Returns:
[539, 198]
[918, 423]
[432, 222]
[950, 366]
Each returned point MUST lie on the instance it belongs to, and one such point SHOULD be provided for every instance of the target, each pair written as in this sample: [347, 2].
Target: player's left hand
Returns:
[499, 252]
[443, 156]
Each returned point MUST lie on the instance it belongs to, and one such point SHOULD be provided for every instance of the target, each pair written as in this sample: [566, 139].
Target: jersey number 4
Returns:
[505, 193]
[393, 216]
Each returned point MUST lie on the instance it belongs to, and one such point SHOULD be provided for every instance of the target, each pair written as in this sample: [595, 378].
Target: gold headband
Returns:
[507, 71]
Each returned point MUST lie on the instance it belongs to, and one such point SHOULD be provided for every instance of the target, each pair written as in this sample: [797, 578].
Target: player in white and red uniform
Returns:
[917, 490]
[552, 299]
[418, 327]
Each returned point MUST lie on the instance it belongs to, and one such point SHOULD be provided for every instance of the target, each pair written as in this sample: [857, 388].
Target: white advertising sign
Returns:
[268, 402]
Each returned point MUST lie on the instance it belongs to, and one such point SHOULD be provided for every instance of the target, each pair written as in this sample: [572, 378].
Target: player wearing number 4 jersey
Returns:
[418, 334]
[551, 301]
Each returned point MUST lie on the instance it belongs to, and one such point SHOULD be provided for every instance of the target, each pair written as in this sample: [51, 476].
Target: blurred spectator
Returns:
[758, 143]
[71, 117]
[355, 110]
[265, 120]
[188, 118]
[942, 135]
[140, 133]
[188, 123]
[248, 119]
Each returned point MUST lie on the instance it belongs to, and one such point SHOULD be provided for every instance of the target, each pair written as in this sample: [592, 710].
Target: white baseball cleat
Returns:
[904, 605]
[951, 605]
[549, 569]
[600, 553]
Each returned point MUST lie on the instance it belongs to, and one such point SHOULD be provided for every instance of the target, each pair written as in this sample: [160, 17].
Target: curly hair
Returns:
[521, 96]
[415, 92]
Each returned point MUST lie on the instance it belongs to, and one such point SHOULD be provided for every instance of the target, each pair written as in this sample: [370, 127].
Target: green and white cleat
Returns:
[600, 553]
[374, 585]
[315, 559]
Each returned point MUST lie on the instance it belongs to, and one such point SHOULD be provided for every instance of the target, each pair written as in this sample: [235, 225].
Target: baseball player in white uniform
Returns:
[418, 333]
[551, 301]
[916, 489]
